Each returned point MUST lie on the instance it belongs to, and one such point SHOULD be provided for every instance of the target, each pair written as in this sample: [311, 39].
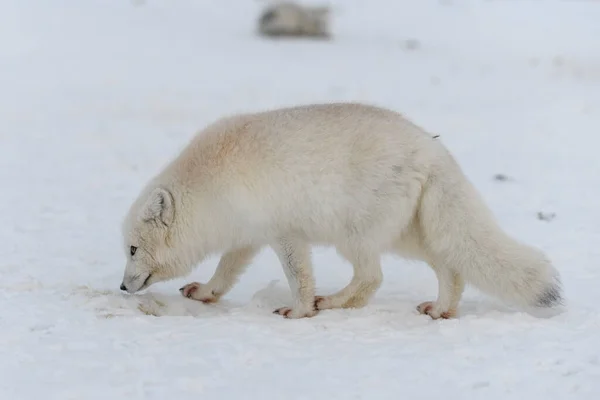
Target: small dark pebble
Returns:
[501, 177]
[544, 216]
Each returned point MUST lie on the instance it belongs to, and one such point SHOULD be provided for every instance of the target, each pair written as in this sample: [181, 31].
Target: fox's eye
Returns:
[132, 250]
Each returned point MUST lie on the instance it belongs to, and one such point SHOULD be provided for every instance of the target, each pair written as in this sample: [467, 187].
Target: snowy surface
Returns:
[96, 96]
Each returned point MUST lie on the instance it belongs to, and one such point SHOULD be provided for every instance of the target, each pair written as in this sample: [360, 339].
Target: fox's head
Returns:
[148, 240]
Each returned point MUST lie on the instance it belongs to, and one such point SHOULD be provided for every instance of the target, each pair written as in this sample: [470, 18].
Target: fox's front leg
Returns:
[230, 268]
[294, 255]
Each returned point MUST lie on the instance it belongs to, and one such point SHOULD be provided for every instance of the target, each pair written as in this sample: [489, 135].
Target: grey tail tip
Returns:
[551, 297]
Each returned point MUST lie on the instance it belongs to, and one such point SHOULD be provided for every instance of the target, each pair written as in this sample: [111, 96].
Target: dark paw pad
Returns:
[283, 311]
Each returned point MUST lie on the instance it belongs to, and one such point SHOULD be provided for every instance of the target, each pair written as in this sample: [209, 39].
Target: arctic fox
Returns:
[291, 19]
[357, 177]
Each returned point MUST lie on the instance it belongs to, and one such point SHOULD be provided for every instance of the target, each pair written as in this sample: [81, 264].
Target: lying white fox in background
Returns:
[360, 178]
[288, 19]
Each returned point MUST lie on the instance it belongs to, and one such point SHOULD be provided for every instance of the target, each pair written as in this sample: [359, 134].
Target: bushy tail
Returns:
[460, 232]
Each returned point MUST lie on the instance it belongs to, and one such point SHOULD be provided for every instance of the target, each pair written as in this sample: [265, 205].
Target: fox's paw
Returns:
[200, 292]
[432, 309]
[294, 313]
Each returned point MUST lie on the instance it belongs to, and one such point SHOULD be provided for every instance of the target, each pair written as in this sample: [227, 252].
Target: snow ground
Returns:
[98, 95]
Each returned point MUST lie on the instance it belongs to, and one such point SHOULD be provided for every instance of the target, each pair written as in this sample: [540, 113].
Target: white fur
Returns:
[360, 178]
[291, 19]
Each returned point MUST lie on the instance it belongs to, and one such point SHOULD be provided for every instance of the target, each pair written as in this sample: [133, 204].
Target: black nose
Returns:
[123, 287]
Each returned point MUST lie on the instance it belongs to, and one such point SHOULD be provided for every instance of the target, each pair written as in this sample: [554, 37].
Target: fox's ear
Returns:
[159, 207]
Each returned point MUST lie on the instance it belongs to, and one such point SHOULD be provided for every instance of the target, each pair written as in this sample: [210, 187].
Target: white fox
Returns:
[291, 19]
[357, 177]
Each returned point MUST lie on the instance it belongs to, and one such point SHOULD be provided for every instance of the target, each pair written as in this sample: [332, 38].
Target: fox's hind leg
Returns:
[365, 282]
[451, 287]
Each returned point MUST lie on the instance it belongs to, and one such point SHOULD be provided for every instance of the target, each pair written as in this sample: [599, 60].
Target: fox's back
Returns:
[334, 138]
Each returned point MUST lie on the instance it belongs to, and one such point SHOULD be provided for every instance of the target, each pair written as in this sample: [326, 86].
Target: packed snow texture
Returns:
[99, 95]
